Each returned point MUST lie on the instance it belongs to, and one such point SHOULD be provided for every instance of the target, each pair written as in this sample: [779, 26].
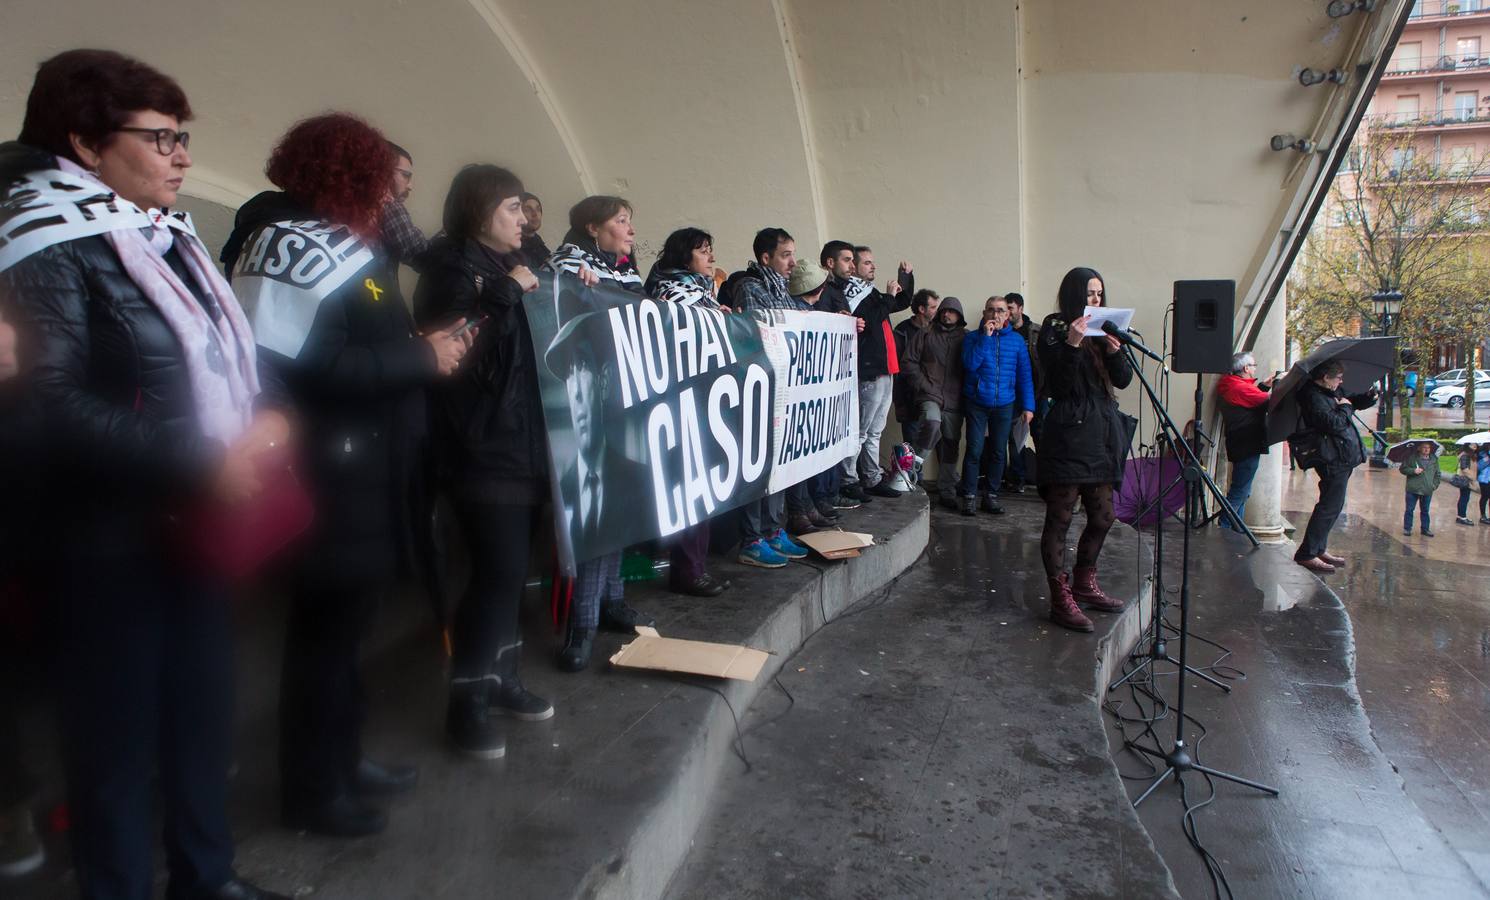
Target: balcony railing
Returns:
[1443, 65]
[1430, 119]
[1438, 9]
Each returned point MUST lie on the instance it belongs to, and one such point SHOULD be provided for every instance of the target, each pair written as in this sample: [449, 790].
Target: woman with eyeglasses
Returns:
[307, 265]
[142, 370]
[1326, 410]
[1083, 446]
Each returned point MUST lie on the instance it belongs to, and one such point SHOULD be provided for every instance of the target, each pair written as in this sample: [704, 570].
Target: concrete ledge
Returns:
[664, 834]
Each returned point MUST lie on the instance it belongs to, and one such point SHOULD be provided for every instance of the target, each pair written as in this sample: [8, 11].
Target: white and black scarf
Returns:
[683, 287]
[855, 289]
[286, 270]
[576, 254]
[52, 206]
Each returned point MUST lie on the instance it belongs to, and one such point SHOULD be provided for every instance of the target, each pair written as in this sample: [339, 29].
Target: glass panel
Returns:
[1465, 104]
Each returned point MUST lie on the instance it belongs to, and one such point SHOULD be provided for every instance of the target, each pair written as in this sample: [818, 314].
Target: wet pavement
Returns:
[940, 740]
[1343, 825]
[1421, 614]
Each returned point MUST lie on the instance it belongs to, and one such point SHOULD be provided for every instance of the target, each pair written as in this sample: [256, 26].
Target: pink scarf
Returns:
[220, 356]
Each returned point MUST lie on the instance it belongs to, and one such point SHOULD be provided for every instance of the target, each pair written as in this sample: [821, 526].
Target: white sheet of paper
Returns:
[1122, 318]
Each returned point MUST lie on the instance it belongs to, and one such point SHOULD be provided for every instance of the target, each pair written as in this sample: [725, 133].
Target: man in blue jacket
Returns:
[996, 387]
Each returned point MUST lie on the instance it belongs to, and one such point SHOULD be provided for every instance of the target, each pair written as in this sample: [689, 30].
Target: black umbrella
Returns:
[1367, 361]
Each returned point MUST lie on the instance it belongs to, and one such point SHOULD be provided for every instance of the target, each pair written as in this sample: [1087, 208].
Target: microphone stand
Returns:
[1178, 761]
[1158, 649]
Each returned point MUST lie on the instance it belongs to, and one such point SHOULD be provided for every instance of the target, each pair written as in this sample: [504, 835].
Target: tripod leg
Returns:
[1235, 778]
[1199, 674]
[1148, 661]
[1155, 786]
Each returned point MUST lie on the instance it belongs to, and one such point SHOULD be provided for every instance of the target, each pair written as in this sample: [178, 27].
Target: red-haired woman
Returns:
[142, 369]
[329, 320]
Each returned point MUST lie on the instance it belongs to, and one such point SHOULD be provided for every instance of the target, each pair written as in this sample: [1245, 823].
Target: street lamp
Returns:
[1387, 305]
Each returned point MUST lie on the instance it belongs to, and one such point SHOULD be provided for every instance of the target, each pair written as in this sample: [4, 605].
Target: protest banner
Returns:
[661, 416]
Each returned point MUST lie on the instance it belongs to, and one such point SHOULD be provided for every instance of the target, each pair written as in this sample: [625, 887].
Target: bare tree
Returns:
[1398, 218]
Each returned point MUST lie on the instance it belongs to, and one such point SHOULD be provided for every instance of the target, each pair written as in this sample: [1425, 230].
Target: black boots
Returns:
[342, 816]
[469, 724]
[574, 656]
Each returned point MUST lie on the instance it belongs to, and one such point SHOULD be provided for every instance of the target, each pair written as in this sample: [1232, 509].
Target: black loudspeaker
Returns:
[1203, 314]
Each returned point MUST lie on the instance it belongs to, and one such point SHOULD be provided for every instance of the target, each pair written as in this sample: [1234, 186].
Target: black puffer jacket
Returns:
[358, 388]
[1085, 439]
[875, 310]
[488, 420]
[109, 381]
[1322, 411]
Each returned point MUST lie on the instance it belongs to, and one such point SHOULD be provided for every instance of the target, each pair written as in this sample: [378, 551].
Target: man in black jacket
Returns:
[878, 363]
[1015, 475]
[1326, 411]
[534, 250]
[837, 259]
[924, 306]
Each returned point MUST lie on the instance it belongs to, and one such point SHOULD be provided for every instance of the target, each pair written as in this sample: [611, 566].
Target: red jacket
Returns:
[1244, 409]
[1239, 391]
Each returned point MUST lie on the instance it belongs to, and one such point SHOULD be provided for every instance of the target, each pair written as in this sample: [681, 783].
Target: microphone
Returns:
[1110, 327]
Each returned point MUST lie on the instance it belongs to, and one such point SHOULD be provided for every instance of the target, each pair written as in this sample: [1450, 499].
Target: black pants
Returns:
[1326, 512]
[16, 783]
[690, 550]
[146, 681]
[487, 640]
[322, 704]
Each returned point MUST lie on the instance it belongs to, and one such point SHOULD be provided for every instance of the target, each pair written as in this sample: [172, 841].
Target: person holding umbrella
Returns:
[1420, 468]
[1325, 410]
[1463, 479]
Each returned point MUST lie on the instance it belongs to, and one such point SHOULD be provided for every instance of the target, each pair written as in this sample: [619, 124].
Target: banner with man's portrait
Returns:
[661, 416]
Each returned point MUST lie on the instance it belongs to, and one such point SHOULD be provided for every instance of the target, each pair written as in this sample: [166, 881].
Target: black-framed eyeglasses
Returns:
[166, 139]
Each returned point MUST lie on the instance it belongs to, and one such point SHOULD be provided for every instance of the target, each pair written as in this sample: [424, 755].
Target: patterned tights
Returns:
[1060, 504]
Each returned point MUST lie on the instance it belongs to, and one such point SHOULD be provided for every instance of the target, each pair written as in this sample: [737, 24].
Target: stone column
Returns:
[1264, 515]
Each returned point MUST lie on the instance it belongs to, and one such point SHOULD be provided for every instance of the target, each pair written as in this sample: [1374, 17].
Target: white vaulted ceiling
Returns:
[994, 144]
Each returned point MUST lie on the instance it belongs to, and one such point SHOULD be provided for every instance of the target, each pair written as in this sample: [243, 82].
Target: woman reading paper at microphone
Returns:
[1083, 445]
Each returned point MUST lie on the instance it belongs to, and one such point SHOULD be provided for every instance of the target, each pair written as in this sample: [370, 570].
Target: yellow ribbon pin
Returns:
[371, 285]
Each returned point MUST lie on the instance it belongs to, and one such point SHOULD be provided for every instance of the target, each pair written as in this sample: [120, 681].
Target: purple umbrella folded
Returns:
[1138, 500]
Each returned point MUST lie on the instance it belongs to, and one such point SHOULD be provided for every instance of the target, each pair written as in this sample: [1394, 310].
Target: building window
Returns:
[1467, 51]
[1466, 103]
[1407, 109]
[1408, 57]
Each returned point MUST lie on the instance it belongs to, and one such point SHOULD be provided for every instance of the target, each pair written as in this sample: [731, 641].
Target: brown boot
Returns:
[1063, 609]
[1084, 589]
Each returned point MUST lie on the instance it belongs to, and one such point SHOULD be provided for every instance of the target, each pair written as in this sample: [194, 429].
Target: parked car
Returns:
[1452, 395]
[1452, 376]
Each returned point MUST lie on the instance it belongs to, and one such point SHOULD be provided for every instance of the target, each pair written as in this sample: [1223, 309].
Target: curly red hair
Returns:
[338, 165]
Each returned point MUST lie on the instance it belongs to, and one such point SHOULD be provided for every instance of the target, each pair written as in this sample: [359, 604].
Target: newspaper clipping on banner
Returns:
[661, 416]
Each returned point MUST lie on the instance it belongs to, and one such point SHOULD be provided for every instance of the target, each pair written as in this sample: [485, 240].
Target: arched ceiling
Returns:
[994, 144]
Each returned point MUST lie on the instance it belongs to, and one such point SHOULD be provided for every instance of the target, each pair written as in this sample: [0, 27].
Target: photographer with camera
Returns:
[1327, 413]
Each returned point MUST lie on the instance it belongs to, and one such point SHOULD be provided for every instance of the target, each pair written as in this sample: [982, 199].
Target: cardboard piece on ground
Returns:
[651, 650]
[837, 544]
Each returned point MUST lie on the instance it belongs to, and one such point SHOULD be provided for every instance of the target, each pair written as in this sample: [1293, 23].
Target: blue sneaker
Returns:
[760, 553]
[784, 545]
